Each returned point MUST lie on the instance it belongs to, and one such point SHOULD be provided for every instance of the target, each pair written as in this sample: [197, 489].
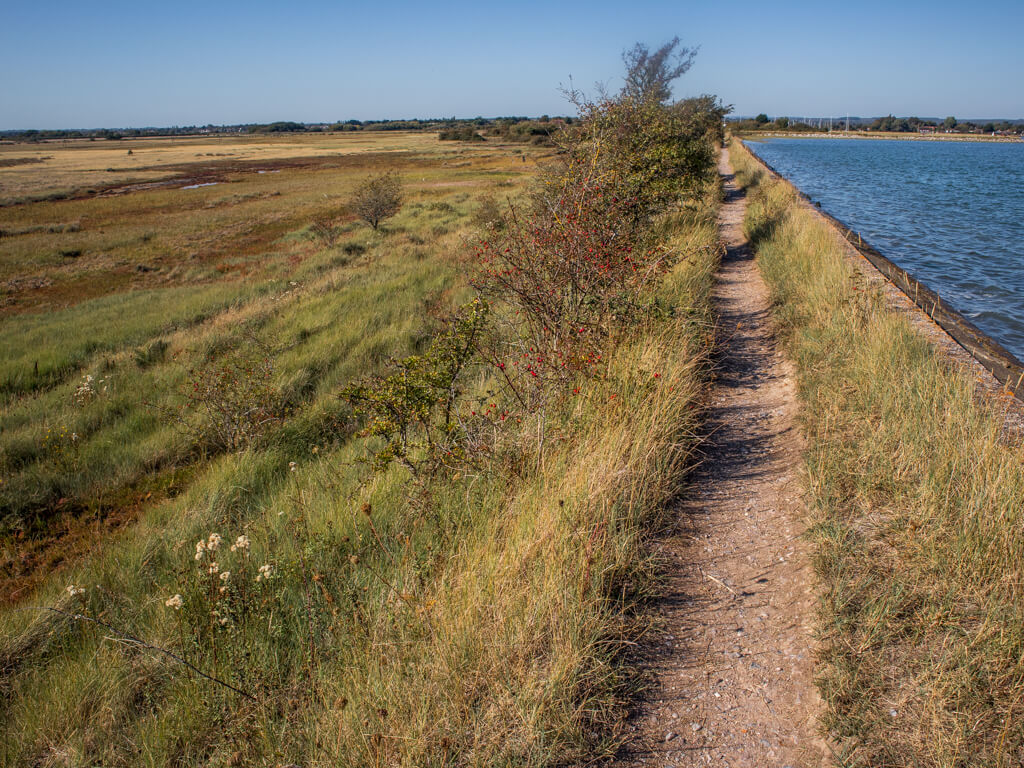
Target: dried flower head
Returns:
[242, 543]
[292, 466]
[213, 542]
[225, 576]
[75, 591]
[266, 571]
[213, 568]
[174, 602]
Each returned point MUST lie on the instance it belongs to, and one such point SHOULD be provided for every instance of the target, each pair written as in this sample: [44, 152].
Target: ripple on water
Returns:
[951, 213]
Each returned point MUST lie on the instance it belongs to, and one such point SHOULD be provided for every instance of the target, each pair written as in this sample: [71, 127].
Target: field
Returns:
[136, 287]
[328, 614]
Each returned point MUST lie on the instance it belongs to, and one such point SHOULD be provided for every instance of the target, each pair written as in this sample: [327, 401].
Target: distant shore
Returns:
[754, 135]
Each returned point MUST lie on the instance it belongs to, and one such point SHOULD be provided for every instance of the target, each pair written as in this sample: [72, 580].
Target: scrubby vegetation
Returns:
[377, 198]
[460, 133]
[917, 493]
[449, 588]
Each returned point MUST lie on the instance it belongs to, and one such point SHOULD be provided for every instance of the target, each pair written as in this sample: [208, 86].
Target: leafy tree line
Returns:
[513, 128]
[889, 124]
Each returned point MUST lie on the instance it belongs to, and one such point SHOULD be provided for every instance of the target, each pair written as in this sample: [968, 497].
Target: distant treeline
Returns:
[889, 123]
[510, 128]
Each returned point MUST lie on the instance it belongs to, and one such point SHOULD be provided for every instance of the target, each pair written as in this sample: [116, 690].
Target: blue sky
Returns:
[120, 64]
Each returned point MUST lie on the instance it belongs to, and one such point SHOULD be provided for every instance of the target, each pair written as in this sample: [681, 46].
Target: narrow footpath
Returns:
[731, 659]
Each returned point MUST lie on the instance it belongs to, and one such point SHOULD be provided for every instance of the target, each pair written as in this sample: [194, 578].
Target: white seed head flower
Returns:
[74, 591]
[242, 543]
[225, 576]
[213, 541]
[174, 602]
[213, 568]
[292, 466]
[266, 571]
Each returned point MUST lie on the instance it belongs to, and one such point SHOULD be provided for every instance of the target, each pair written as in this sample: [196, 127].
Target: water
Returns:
[950, 213]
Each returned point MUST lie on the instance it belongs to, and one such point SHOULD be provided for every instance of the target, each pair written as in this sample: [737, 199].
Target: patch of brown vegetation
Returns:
[74, 531]
[9, 162]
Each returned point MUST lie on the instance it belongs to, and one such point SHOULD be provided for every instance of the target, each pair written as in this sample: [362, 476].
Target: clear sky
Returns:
[132, 64]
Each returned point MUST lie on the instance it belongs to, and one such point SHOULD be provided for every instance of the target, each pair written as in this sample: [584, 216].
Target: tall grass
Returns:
[484, 629]
[918, 501]
[329, 312]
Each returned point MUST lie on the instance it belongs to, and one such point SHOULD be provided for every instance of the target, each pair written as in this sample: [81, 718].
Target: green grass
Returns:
[484, 629]
[329, 312]
[917, 494]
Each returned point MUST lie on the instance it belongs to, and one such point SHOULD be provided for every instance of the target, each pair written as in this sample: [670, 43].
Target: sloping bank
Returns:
[322, 615]
[918, 504]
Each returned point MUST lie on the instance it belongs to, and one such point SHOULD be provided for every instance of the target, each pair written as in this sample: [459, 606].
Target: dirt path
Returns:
[732, 659]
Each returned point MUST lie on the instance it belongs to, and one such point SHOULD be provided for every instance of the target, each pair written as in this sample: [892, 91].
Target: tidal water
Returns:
[950, 213]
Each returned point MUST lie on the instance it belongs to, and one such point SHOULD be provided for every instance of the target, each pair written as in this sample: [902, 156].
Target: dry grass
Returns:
[58, 252]
[486, 631]
[218, 265]
[918, 499]
[69, 166]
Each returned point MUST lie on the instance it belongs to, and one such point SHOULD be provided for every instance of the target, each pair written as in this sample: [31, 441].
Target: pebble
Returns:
[695, 727]
[669, 736]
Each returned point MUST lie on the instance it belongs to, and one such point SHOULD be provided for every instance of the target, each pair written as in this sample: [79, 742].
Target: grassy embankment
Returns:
[484, 632]
[917, 500]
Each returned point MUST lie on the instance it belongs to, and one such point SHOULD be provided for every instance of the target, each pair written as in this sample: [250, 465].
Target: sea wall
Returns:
[1006, 370]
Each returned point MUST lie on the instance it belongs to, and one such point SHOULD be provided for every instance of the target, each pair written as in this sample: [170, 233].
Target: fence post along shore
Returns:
[990, 354]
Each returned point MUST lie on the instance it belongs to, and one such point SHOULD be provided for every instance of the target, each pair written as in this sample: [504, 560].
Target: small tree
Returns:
[378, 198]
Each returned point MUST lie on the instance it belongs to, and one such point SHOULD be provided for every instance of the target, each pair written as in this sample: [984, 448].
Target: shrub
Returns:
[324, 231]
[415, 410]
[488, 214]
[227, 405]
[378, 198]
[460, 133]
